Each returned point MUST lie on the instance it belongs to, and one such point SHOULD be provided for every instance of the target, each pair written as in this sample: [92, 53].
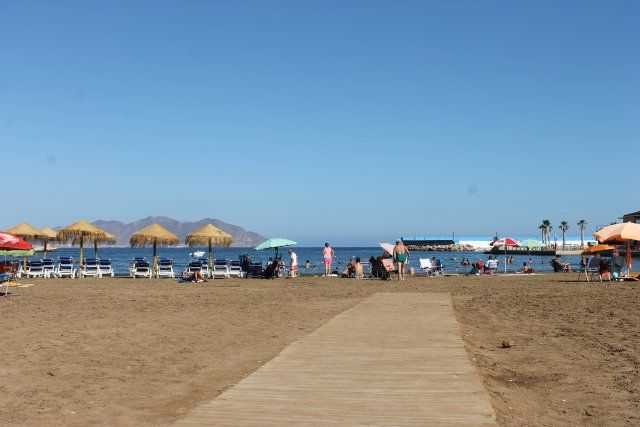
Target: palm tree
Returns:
[542, 229]
[564, 226]
[547, 230]
[582, 225]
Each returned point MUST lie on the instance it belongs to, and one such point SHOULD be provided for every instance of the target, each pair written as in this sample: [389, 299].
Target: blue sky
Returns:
[351, 121]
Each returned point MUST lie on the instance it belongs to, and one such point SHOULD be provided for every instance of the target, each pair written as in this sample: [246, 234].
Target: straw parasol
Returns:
[108, 238]
[28, 233]
[157, 235]
[209, 235]
[49, 236]
[78, 232]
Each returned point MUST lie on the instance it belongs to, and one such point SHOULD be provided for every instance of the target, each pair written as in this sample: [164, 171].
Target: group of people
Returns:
[608, 268]
[354, 268]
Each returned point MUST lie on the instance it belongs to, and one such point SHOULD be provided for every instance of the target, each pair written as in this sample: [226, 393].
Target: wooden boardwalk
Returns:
[394, 359]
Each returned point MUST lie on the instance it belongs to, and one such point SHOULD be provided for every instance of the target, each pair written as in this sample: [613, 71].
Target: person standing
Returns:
[327, 258]
[401, 256]
[293, 266]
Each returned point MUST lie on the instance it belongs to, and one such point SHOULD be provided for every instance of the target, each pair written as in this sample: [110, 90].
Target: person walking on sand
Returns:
[401, 256]
[293, 267]
[327, 258]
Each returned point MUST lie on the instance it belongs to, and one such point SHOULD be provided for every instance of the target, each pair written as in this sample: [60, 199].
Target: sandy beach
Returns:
[125, 352]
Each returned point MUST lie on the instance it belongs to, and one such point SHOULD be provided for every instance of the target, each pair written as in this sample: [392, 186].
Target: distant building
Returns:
[632, 217]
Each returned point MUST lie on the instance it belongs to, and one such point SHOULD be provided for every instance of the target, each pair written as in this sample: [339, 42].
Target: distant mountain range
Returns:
[122, 231]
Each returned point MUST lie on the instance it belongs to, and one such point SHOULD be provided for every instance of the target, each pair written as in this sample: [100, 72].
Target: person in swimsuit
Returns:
[327, 258]
[401, 256]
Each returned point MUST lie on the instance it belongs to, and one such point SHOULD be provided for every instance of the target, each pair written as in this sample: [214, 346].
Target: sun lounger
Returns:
[205, 267]
[194, 266]
[221, 268]
[65, 267]
[165, 268]
[141, 269]
[35, 269]
[235, 268]
[426, 266]
[49, 267]
[90, 268]
[105, 268]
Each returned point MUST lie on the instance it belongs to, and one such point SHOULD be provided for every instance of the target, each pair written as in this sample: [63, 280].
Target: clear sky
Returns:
[347, 121]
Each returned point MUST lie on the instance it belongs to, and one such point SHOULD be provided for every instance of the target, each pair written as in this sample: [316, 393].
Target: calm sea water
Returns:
[121, 257]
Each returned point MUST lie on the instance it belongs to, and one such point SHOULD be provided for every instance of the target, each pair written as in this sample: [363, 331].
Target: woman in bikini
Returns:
[401, 256]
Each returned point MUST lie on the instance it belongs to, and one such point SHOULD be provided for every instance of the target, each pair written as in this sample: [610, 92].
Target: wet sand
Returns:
[126, 352]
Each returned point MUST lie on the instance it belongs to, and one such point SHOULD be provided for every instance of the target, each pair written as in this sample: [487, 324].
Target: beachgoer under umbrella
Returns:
[617, 263]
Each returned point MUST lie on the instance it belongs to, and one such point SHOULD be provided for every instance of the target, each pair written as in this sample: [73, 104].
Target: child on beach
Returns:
[327, 258]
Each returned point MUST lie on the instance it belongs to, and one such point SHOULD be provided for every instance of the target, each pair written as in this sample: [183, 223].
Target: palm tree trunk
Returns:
[581, 237]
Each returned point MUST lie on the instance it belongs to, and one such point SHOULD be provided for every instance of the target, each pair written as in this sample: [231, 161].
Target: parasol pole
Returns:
[505, 254]
[95, 247]
[44, 249]
[81, 255]
[628, 257]
[210, 260]
[155, 258]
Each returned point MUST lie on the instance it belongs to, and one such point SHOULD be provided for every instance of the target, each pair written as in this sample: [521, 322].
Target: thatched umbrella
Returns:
[79, 231]
[157, 235]
[49, 236]
[211, 236]
[28, 233]
[108, 238]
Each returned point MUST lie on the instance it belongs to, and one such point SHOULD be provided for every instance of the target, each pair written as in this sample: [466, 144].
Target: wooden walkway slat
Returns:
[394, 359]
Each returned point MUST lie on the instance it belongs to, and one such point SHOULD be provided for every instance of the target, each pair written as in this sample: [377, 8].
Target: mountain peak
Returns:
[123, 231]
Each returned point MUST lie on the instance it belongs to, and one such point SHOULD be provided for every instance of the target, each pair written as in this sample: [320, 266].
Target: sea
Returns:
[121, 257]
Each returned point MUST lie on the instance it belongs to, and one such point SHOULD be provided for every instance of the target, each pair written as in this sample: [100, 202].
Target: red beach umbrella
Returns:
[507, 241]
[9, 242]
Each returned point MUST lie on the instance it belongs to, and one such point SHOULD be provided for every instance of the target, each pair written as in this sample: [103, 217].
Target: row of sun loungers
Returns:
[92, 267]
[221, 268]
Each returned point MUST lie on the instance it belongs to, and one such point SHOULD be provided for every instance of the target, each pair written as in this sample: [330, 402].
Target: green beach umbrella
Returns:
[275, 243]
[17, 253]
[531, 244]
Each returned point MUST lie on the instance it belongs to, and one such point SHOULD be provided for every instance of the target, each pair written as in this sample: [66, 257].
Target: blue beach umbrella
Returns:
[275, 243]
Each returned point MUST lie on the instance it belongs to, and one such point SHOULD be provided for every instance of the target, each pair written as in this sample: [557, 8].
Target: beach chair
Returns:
[165, 268]
[221, 268]
[49, 267]
[592, 269]
[105, 268]
[205, 267]
[194, 266]
[235, 268]
[91, 267]
[65, 267]
[35, 269]
[426, 266]
[255, 270]
[141, 269]
[366, 268]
